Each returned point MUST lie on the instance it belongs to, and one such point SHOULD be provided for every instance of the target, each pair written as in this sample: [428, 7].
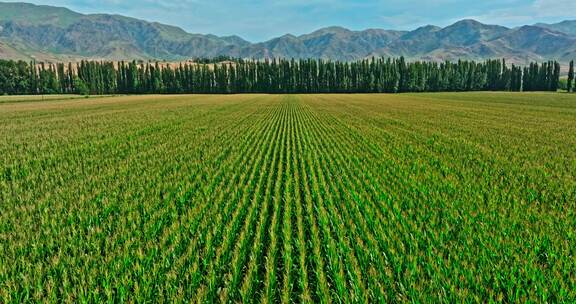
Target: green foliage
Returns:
[570, 83]
[278, 76]
[544, 77]
[418, 198]
[80, 87]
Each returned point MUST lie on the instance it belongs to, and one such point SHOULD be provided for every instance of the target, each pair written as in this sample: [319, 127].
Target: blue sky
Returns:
[258, 20]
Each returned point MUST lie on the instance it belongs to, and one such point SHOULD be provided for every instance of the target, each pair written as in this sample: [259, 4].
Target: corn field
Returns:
[452, 197]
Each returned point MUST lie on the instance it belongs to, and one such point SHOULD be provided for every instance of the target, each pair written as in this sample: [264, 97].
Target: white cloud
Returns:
[554, 8]
[534, 12]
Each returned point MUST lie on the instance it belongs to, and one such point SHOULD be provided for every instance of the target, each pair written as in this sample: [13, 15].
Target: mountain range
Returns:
[48, 33]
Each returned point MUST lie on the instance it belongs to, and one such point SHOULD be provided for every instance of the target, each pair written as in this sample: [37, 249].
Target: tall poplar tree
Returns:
[570, 77]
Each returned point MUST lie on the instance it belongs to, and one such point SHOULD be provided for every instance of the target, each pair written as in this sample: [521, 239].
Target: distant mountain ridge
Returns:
[49, 33]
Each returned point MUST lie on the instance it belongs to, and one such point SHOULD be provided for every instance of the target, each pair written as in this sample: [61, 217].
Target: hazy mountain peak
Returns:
[332, 30]
[423, 32]
[37, 14]
[538, 30]
[472, 24]
[288, 36]
[467, 22]
[566, 26]
[237, 40]
[468, 32]
[428, 28]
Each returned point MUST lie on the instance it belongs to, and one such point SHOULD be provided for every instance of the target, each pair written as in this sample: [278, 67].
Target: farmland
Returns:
[444, 197]
[30, 98]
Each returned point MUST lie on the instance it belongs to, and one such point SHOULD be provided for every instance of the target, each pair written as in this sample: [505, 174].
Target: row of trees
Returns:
[544, 77]
[374, 75]
[571, 86]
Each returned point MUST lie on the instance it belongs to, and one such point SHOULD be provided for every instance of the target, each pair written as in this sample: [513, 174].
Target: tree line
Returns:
[376, 75]
[571, 86]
